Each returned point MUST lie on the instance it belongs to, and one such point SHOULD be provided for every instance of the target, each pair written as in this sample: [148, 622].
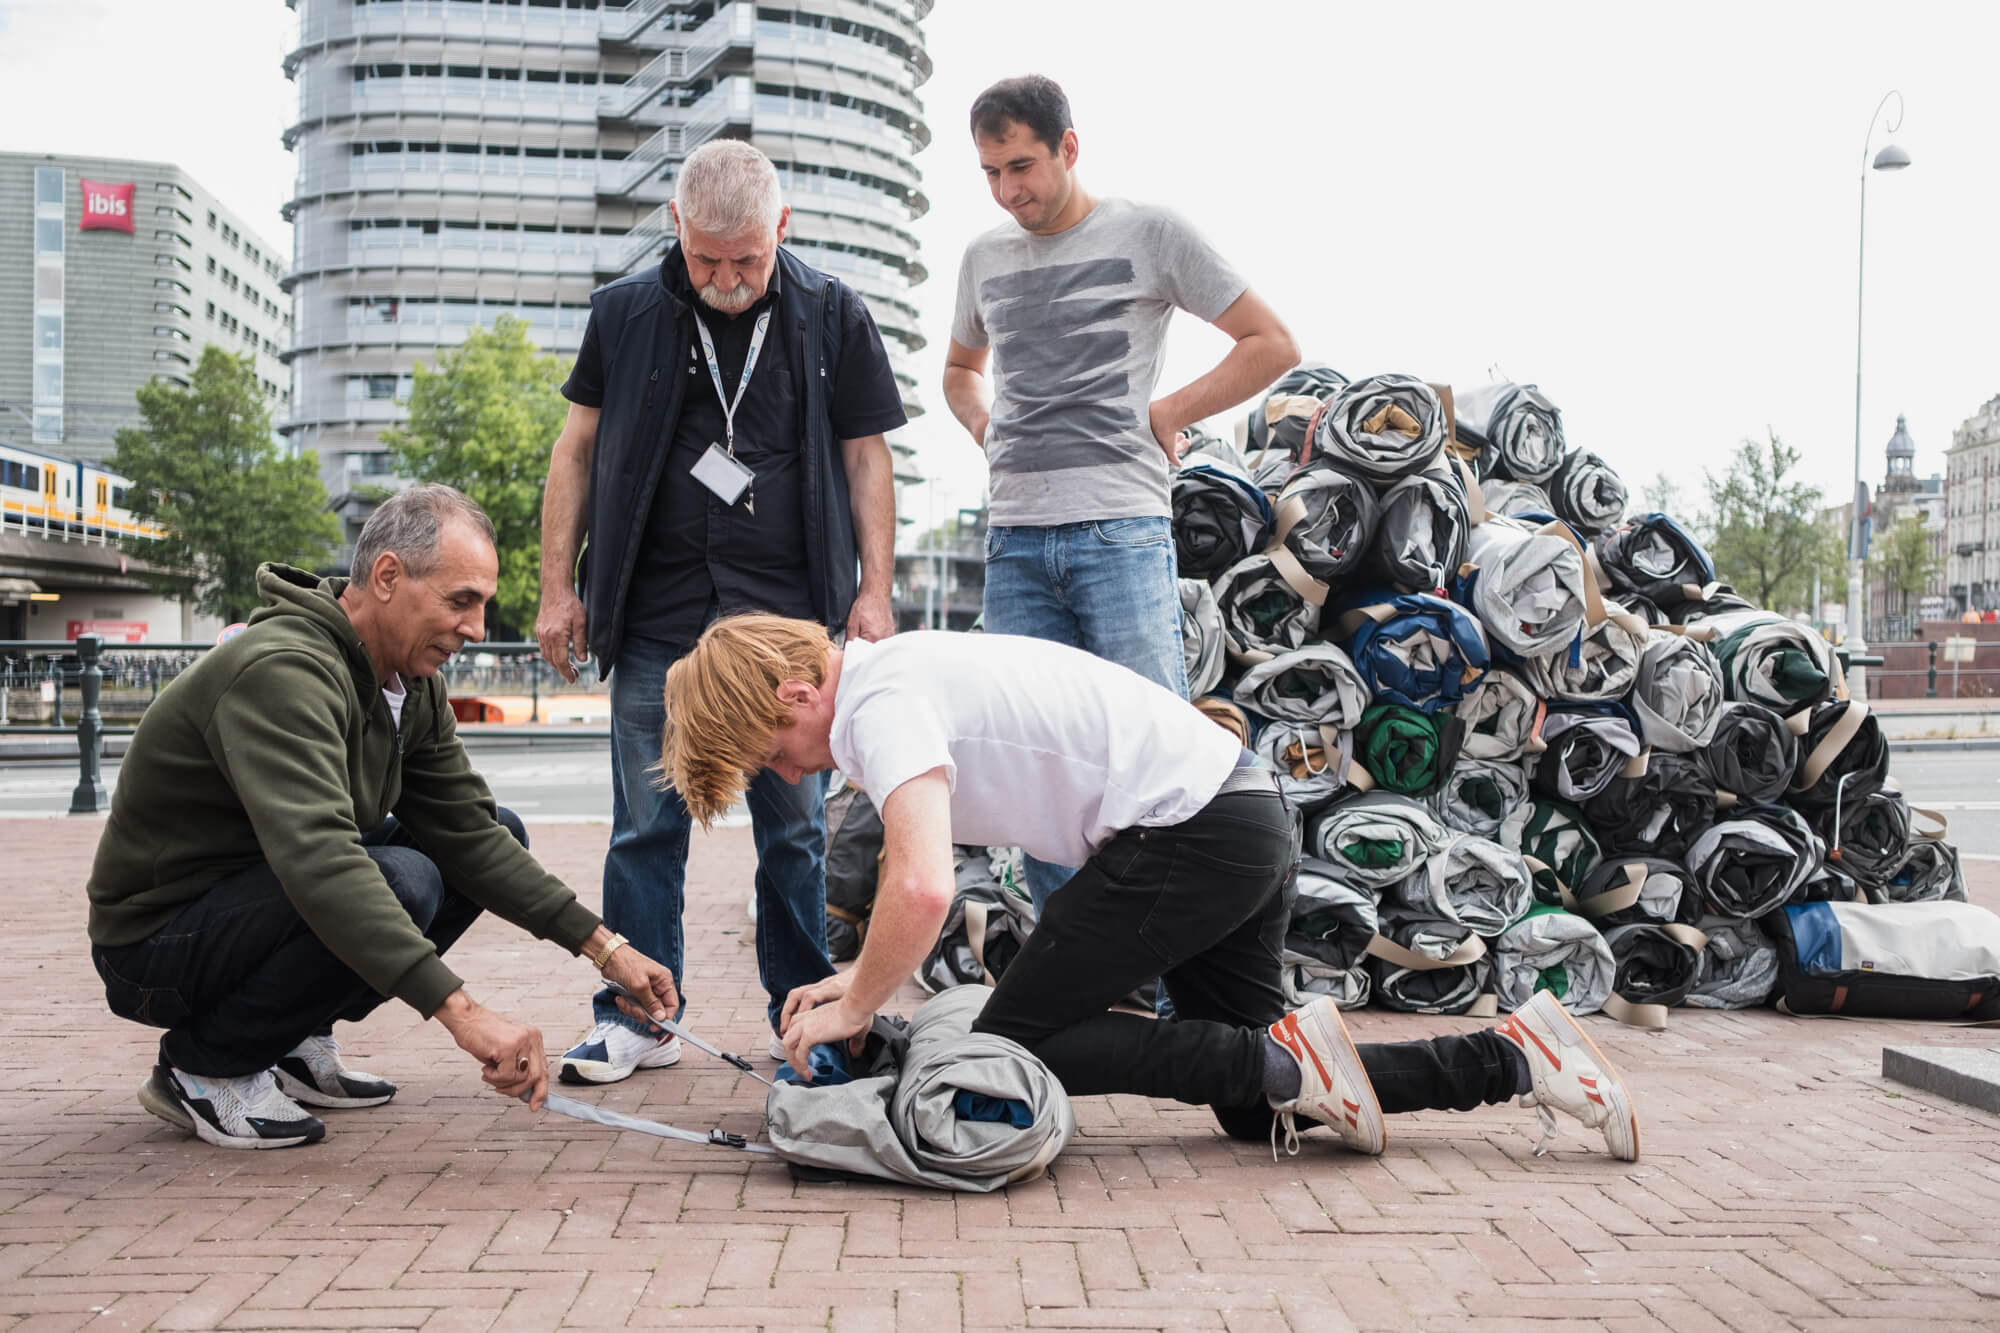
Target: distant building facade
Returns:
[1972, 505]
[463, 159]
[115, 270]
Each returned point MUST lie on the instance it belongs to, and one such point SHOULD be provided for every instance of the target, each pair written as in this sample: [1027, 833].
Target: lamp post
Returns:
[1890, 158]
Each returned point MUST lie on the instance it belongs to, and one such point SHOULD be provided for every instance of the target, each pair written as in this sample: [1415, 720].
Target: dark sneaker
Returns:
[610, 1052]
[314, 1075]
[246, 1112]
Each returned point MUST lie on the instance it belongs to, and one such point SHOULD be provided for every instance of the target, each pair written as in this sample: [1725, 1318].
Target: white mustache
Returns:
[728, 302]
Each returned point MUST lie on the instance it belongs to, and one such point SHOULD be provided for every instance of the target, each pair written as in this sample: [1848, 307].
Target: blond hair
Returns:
[723, 706]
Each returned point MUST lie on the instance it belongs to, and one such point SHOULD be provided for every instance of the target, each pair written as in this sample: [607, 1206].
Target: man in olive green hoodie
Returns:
[297, 834]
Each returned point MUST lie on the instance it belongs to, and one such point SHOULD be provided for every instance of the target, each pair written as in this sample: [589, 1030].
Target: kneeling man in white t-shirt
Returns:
[1184, 846]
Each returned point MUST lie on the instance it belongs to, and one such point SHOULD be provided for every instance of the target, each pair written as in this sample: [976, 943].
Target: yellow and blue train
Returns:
[42, 493]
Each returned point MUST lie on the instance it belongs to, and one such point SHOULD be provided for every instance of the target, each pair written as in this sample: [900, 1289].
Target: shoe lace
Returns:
[1291, 1135]
[1548, 1119]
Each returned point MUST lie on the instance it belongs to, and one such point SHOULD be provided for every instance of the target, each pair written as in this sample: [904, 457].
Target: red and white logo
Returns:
[106, 207]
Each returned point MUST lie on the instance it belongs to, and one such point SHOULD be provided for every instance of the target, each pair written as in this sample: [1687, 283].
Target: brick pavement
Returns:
[1785, 1184]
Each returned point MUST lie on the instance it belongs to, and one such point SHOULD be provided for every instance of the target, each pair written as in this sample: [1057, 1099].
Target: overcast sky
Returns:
[1650, 211]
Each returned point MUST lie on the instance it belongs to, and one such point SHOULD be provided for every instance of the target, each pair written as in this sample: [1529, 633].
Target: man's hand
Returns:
[1166, 432]
[816, 1015]
[559, 628]
[511, 1055]
[642, 976]
[871, 617]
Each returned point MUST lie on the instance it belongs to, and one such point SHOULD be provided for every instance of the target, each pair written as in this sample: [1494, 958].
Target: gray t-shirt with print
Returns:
[1078, 323]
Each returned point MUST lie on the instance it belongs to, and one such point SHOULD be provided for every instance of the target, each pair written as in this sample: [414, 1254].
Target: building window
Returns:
[48, 283]
[49, 185]
[48, 426]
[48, 333]
[49, 382]
[380, 387]
[48, 236]
[211, 263]
[211, 310]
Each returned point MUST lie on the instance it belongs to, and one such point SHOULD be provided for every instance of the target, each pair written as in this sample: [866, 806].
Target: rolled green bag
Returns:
[1769, 660]
[1375, 839]
[1477, 795]
[1315, 683]
[1475, 881]
[1556, 834]
[1405, 751]
[1556, 951]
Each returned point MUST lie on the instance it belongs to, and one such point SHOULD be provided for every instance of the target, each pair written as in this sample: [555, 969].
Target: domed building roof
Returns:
[1900, 444]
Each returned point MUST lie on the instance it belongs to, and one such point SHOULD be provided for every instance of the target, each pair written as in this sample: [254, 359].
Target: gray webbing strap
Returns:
[597, 1115]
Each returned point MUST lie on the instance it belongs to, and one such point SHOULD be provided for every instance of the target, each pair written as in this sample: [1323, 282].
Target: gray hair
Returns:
[411, 523]
[727, 187]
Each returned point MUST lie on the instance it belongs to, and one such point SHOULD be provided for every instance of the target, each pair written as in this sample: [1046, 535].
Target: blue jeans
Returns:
[1109, 587]
[645, 871]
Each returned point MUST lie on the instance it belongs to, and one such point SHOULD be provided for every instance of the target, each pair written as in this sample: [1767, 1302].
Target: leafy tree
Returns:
[1766, 534]
[1903, 560]
[1662, 495]
[485, 421]
[205, 467]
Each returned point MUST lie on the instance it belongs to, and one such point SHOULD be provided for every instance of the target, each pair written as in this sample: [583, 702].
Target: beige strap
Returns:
[1688, 935]
[1389, 951]
[1943, 824]
[1349, 623]
[1799, 723]
[1288, 514]
[1535, 863]
[1294, 574]
[1652, 1017]
[1636, 766]
[1618, 899]
[1725, 800]
[1486, 1006]
[1596, 569]
[1830, 746]
[1475, 498]
[975, 935]
[1032, 1168]
[1593, 597]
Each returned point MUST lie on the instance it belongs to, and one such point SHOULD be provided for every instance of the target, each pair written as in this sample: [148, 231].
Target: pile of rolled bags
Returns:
[1532, 742]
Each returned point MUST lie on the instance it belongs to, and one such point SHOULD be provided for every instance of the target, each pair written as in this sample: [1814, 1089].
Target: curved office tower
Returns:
[463, 159]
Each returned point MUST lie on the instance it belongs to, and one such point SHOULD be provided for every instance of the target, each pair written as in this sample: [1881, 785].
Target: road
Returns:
[562, 785]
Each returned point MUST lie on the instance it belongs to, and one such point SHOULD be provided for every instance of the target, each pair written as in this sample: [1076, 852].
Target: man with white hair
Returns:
[723, 452]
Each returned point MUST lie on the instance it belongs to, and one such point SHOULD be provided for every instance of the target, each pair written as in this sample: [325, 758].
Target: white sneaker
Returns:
[1333, 1087]
[247, 1112]
[313, 1074]
[777, 1050]
[1569, 1074]
[610, 1052]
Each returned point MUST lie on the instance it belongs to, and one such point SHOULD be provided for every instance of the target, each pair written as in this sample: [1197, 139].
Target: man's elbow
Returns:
[1283, 352]
[925, 897]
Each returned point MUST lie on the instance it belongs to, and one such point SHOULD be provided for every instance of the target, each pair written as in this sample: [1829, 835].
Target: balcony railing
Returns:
[685, 59]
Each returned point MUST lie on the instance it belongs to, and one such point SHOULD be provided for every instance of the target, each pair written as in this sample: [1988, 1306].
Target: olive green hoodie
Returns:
[278, 746]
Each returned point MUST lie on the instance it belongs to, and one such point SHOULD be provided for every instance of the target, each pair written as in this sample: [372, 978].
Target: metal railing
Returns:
[91, 689]
[686, 58]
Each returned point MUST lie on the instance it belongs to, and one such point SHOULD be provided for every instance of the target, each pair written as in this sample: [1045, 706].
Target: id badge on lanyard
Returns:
[718, 468]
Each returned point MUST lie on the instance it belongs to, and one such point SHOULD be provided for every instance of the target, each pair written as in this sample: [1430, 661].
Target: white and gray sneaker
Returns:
[247, 1112]
[1333, 1087]
[313, 1074]
[610, 1052]
[1569, 1074]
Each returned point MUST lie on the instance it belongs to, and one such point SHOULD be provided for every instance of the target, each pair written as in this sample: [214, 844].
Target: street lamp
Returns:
[1890, 158]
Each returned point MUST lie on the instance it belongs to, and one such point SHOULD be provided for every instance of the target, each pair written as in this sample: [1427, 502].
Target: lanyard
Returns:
[729, 405]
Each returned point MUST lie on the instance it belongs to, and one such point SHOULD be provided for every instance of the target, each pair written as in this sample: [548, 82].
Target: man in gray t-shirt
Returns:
[1071, 300]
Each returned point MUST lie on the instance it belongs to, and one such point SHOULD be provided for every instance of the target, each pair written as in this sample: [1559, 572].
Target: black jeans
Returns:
[238, 979]
[1202, 904]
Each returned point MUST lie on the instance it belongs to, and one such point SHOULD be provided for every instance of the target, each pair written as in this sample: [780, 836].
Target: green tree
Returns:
[1767, 537]
[1903, 560]
[485, 421]
[205, 467]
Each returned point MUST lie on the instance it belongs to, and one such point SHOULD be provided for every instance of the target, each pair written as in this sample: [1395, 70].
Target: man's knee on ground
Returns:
[415, 880]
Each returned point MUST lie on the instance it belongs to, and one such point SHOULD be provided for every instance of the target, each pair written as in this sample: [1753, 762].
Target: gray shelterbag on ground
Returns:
[908, 1127]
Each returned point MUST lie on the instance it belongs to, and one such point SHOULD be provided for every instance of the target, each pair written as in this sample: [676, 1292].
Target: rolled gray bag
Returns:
[1514, 497]
[1752, 755]
[1383, 427]
[1314, 764]
[906, 1127]
[1628, 890]
[1375, 839]
[1553, 950]
[1587, 749]
[1867, 836]
[1325, 522]
[1262, 614]
[1316, 683]
[1739, 965]
[1753, 863]
[1304, 979]
[1472, 880]
[1326, 942]
[1529, 591]
[1502, 716]
[1201, 637]
[1270, 469]
[1676, 693]
[1769, 660]
[1427, 964]
[1516, 429]
[1219, 515]
[1420, 531]
[1657, 965]
[1478, 794]
[1588, 494]
[1600, 667]
[1929, 874]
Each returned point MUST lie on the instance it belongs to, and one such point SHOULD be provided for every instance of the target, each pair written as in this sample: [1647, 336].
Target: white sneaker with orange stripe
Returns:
[1570, 1074]
[1333, 1087]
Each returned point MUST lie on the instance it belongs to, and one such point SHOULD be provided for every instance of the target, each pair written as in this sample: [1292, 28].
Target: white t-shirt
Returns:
[395, 695]
[1045, 746]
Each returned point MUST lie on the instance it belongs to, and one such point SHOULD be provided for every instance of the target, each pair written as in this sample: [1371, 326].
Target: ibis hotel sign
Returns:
[106, 207]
